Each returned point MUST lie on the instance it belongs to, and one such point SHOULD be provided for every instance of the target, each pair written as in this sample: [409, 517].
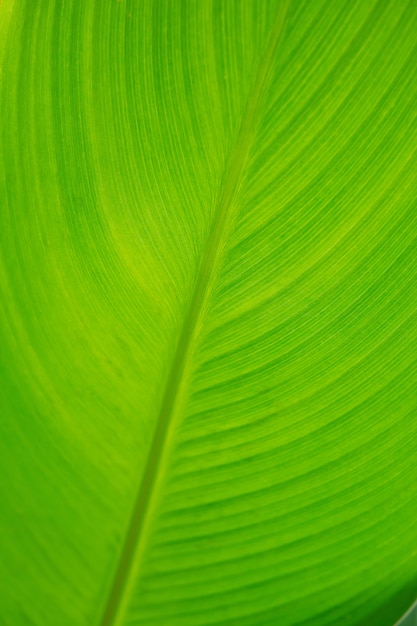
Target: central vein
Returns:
[128, 563]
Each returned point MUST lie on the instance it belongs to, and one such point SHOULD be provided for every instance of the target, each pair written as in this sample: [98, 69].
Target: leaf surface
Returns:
[208, 270]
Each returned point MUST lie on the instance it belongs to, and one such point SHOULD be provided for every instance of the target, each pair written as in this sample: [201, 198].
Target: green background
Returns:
[208, 399]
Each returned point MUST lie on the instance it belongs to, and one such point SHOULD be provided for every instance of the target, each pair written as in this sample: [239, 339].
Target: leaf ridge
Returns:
[223, 218]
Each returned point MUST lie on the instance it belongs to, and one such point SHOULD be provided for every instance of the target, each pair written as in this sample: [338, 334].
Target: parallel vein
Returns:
[223, 218]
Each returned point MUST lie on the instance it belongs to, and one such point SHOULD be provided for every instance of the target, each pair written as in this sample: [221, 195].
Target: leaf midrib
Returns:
[224, 214]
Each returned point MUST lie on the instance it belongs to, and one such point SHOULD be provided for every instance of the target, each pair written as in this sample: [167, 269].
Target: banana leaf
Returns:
[208, 314]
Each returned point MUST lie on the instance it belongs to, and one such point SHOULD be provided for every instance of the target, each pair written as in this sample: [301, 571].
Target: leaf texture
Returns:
[208, 317]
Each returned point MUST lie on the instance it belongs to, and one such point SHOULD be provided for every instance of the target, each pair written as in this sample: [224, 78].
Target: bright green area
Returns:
[208, 270]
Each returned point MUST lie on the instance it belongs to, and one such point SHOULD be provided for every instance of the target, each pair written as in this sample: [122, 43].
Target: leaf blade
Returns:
[296, 349]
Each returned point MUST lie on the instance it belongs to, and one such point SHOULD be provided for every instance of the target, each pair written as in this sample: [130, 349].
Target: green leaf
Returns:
[208, 226]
